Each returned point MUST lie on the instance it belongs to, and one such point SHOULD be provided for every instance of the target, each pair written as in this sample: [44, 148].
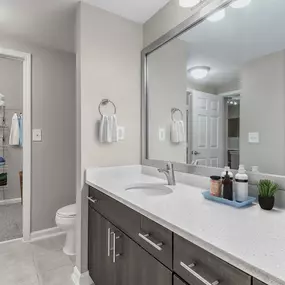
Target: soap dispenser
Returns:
[241, 185]
[227, 187]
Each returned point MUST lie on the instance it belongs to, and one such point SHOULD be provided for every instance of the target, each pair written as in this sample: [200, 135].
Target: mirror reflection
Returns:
[216, 94]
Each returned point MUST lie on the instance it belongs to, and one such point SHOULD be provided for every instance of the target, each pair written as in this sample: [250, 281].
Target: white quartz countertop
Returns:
[250, 239]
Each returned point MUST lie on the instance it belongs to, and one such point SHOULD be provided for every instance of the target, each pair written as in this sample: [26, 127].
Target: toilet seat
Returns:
[67, 212]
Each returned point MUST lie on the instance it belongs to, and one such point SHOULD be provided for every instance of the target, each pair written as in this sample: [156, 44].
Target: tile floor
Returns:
[38, 263]
[11, 222]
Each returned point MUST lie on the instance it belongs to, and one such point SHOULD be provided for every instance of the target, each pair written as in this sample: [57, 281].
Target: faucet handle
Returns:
[169, 165]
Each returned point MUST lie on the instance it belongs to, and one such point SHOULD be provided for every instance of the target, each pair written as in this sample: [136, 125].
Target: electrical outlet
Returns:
[37, 135]
[253, 137]
[121, 133]
[161, 134]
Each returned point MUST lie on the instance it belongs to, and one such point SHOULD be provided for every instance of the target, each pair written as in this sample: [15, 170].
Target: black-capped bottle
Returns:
[227, 187]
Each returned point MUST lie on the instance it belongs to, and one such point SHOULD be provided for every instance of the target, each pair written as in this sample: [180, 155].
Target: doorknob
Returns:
[195, 152]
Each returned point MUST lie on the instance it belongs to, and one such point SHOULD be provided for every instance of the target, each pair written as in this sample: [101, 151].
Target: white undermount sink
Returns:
[149, 189]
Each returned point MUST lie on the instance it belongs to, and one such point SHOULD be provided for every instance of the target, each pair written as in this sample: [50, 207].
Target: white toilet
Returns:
[65, 220]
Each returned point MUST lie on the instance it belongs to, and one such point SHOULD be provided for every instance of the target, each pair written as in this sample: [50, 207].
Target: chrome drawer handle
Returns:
[91, 199]
[109, 242]
[115, 255]
[202, 279]
[145, 237]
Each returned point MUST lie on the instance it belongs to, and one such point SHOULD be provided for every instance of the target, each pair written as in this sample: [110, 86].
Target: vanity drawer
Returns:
[257, 282]
[198, 266]
[157, 240]
[118, 214]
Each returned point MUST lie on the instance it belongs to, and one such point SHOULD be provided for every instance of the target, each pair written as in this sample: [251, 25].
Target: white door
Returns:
[207, 129]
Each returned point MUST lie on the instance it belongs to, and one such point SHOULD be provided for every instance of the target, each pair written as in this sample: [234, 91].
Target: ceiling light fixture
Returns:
[199, 72]
[188, 3]
[240, 4]
[217, 16]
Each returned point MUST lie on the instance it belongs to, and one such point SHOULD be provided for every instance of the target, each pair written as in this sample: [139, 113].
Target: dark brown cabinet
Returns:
[257, 282]
[178, 281]
[197, 266]
[136, 266]
[98, 258]
[115, 259]
[127, 248]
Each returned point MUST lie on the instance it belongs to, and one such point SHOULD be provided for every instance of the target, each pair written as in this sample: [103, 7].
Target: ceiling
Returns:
[52, 22]
[136, 10]
[243, 35]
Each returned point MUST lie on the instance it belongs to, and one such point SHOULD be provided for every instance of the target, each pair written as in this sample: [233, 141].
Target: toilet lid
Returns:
[68, 211]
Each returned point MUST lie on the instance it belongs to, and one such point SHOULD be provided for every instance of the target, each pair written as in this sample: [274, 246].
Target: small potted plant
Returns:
[266, 194]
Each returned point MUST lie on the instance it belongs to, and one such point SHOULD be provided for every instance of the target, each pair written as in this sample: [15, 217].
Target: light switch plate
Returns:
[121, 133]
[253, 137]
[37, 135]
[161, 134]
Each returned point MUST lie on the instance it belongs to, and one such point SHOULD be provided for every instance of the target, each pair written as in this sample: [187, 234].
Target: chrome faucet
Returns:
[169, 173]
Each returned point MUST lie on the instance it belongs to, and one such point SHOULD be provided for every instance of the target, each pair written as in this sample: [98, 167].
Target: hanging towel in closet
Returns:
[15, 131]
[20, 120]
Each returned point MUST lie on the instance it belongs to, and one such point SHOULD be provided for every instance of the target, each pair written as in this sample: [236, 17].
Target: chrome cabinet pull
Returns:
[145, 237]
[91, 199]
[198, 276]
[115, 255]
[109, 242]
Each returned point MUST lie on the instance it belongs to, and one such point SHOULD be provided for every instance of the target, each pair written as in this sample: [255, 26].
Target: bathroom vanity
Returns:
[139, 237]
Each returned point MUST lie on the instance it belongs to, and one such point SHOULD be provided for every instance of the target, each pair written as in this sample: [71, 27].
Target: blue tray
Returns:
[207, 195]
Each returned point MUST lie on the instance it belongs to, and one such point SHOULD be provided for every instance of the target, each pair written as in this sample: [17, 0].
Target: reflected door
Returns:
[207, 129]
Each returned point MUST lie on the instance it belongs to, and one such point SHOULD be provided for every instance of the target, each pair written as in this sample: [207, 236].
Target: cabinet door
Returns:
[101, 268]
[135, 266]
[177, 281]
[257, 282]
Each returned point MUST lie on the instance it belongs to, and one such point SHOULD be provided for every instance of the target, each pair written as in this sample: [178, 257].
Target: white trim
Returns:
[47, 233]
[230, 93]
[10, 201]
[11, 241]
[81, 278]
[26, 58]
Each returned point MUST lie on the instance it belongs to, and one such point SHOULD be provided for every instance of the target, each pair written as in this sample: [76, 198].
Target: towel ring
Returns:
[104, 102]
[173, 111]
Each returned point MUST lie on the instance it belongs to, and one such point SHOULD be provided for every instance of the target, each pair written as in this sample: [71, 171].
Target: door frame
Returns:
[26, 59]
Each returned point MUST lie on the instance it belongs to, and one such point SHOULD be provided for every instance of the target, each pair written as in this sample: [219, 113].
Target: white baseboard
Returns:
[47, 233]
[10, 201]
[81, 278]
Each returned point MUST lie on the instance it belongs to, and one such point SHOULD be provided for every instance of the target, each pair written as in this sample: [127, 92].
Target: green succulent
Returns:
[267, 188]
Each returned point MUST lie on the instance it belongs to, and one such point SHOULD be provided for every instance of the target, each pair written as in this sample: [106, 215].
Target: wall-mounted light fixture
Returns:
[217, 16]
[240, 4]
[189, 3]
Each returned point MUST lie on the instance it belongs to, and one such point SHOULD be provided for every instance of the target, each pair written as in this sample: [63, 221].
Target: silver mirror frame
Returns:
[200, 13]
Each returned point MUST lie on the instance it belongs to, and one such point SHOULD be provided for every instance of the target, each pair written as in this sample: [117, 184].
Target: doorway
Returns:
[15, 145]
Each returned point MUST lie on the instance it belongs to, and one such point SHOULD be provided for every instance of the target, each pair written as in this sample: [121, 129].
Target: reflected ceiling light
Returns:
[240, 3]
[188, 3]
[199, 72]
[217, 16]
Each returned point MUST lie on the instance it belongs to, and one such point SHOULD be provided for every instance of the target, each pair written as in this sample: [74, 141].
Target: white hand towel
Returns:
[15, 131]
[114, 128]
[103, 129]
[174, 132]
[108, 129]
[181, 131]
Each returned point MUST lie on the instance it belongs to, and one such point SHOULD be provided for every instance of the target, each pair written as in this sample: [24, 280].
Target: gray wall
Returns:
[11, 86]
[167, 87]
[263, 110]
[166, 19]
[53, 111]
[108, 66]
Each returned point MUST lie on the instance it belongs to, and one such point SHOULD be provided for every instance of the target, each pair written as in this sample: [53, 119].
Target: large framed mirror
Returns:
[214, 90]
